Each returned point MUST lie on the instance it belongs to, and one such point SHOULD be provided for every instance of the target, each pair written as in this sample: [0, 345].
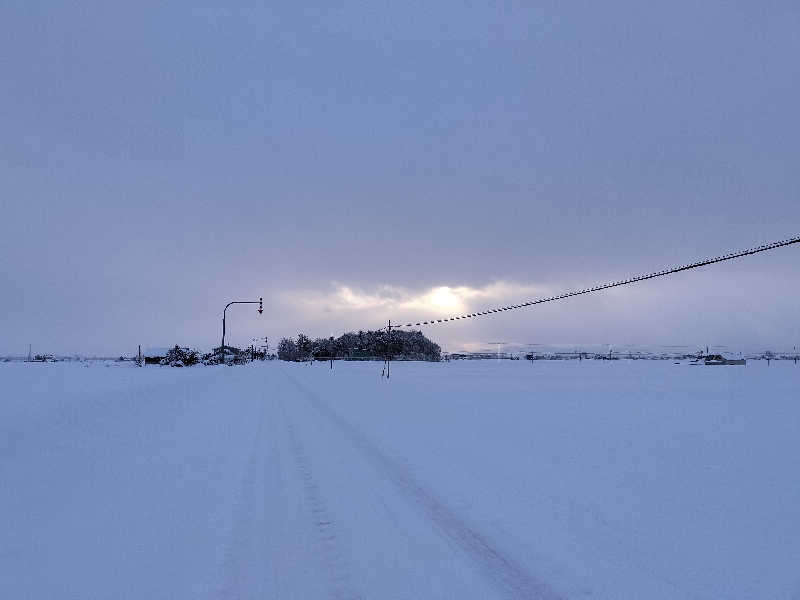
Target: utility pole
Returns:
[260, 303]
[498, 348]
[388, 348]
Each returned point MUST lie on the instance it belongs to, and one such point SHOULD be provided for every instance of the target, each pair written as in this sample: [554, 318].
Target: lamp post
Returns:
[260, 303]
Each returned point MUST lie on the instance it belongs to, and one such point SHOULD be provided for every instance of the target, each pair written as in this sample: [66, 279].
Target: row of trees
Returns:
[364, 345]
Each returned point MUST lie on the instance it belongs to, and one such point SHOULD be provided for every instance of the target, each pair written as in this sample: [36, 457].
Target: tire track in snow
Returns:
[509, 577]
[333, 560]
[232, 582]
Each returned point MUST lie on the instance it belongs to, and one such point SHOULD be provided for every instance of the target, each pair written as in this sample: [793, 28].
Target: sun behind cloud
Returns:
[435, 302]
[445, 298]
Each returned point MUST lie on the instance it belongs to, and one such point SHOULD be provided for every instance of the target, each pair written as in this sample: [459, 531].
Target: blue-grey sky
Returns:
[358, 161]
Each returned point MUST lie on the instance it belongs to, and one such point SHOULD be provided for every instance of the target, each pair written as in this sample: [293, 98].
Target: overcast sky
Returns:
[353, 162]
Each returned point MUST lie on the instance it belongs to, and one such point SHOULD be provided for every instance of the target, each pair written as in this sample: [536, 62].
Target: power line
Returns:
[605, 286]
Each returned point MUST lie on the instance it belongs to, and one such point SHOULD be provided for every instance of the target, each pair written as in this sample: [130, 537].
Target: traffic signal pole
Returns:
[260, 303]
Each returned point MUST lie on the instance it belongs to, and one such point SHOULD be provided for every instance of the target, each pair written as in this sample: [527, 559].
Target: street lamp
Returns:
[260, 303]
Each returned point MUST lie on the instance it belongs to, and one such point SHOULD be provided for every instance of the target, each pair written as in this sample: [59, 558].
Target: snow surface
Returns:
[476, 479]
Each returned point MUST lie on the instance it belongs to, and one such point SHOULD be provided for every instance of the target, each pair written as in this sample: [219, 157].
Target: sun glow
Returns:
[433, 302]
[444, 298]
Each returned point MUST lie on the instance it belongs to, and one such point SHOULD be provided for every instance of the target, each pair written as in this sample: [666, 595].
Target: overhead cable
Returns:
[605, 286]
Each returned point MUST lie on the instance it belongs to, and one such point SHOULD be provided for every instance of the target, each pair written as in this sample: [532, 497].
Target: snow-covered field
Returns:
[453, 480]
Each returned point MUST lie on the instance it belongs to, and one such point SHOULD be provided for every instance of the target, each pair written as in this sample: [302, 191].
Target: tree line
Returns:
[364, 345]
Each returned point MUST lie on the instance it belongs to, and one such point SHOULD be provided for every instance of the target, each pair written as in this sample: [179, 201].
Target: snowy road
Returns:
[459, 480]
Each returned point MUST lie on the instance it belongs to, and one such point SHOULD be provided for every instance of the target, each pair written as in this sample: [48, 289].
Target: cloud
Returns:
[695, 309]
[438, 301]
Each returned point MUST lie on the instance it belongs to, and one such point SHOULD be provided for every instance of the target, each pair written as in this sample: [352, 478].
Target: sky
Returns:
[355, 162]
